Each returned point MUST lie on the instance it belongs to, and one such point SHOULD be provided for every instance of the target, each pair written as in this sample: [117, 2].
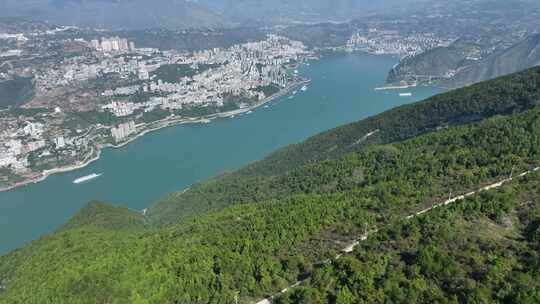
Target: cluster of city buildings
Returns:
[242, 70]
[18, 143]
[81, 68]
[213, 77]
[29, 141]
[114, 44]
[380, 42]
[17, 36]
[123, 131]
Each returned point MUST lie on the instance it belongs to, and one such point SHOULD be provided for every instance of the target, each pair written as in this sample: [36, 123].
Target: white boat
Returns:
[405, 94]
[291, 97]
[304, 88]
[86, 178]
[249, 112]
[266, 106]
[294, 92]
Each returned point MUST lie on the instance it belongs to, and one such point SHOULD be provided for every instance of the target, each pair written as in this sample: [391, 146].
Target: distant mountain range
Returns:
[115, 14]
[138, 14]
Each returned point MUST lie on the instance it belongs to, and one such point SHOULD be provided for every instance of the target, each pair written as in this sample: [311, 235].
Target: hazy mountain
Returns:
[444, 61]
[435, 62]
[128, 14]
[304, 10]
[199, 13]
[521, 56]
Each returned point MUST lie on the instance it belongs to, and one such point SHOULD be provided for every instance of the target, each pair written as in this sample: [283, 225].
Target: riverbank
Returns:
[170, 121]
[396, 87]
[45, 174]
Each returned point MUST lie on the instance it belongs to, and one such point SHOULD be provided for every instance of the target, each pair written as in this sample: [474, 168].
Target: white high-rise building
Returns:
[143, 74]
[115, 45]
[95, 44]
[123, 131]
[60, 142]
[123, 45]
[106, 45]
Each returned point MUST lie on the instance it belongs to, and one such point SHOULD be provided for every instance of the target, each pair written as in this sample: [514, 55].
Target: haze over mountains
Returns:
[114, 14]
[136, 14]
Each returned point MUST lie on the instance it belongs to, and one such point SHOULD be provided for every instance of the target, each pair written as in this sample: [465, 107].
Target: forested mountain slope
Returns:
[481, 250]
[302, 217]
[502, 96]
[436, 62]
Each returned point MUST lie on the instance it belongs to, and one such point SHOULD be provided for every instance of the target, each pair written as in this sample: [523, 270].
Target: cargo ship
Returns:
[86, 178]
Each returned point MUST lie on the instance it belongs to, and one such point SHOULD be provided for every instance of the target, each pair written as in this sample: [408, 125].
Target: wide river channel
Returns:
[172, 159]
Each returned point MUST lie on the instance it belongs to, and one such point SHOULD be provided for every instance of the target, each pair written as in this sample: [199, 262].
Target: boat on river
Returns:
[86, 178]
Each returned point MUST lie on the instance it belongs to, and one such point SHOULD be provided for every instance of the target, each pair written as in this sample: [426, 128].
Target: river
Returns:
[171, 159]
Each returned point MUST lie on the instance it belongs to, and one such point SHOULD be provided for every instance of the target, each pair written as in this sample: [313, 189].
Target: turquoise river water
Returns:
[171, 159]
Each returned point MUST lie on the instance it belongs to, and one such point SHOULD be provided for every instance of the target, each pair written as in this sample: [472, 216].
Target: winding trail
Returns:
[364, 138]
[350, 248]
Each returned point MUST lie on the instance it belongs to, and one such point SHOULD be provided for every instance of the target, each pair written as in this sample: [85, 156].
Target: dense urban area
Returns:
[106, 91]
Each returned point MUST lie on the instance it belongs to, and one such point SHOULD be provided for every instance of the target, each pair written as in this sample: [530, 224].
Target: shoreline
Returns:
[170, 121]
[395, 87]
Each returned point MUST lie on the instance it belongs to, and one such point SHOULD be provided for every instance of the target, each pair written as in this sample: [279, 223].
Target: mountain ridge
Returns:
[523, 55]
[130, 14]
[450, 67]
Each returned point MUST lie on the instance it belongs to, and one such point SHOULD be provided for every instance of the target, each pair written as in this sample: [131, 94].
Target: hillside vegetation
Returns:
[516, 58]
[291, 222]
[502, 96]
[451, 66]
[481, 250]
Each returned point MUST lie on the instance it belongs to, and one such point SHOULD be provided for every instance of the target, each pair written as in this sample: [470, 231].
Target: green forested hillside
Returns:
[502, 96]
[299, 218]
[105, 216]
[481, 250]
